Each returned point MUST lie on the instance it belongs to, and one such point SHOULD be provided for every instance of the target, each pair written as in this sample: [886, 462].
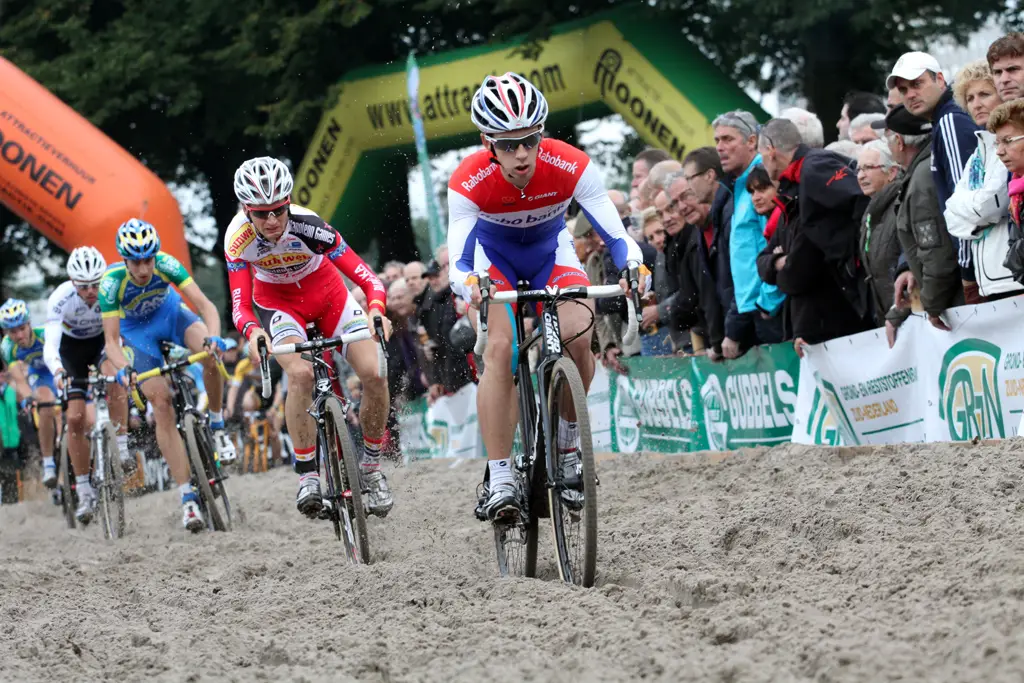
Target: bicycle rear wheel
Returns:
[574, 526]
[68, 500]
[344, 485]
[111, 493]
[208, 476]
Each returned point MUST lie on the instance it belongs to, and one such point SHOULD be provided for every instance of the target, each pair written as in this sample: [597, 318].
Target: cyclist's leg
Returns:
[76, 355]
[44, 391]
[190, 331]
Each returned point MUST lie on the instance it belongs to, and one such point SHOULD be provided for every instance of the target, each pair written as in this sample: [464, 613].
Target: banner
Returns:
[931, 386]
[446, 429]
[437, 233]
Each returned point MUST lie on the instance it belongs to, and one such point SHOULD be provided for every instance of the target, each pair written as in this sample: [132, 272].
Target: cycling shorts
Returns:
[507, 262]
[41, 378]
[76, 355]
[321, 297]
[166, 323]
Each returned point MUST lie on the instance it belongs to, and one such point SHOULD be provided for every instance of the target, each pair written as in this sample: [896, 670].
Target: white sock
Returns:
[216, 416]
[83, 484]
[122, 446]
[568, 435]
[48, 463]
[500, 471]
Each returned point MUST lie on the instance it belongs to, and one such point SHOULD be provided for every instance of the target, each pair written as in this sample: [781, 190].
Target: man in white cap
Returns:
[918, 78]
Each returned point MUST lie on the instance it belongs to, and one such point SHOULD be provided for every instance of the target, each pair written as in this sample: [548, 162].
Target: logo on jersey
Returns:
[557, 161]
[263, 246]
[241, 240]
[282, 261]
[319, 234]
[543, 196]
[478, 177]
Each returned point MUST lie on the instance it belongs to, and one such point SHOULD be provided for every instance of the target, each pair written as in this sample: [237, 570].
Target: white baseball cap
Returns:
[911, 65]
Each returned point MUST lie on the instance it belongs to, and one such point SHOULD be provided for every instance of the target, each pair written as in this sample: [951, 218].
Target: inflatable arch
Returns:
[619, 61]
[71, 182]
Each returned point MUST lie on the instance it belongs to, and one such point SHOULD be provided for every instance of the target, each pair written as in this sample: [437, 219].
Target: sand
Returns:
[788, 564]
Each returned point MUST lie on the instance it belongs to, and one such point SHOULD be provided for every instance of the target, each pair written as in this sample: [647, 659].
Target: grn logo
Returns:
[626, 417]
[716, 414]
[969, 391]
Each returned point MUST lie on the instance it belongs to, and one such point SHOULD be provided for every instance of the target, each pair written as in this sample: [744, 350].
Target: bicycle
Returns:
[536, 464]
[339, 459]
[255, 442]
[208, 476]
[107, 469]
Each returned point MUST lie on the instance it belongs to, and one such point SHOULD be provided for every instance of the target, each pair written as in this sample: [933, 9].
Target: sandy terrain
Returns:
[790, 564]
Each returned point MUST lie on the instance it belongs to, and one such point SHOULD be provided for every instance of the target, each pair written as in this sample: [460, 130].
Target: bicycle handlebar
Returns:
[544, 296]
[320, 345]
[172, 367]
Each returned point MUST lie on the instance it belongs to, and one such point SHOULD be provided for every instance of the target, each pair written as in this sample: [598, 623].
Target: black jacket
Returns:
[449, 367]
[822, 206]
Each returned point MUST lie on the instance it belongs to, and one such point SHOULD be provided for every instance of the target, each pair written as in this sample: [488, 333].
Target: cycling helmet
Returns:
[14, 313]
[137, 239]
[509, 102]
[86, 265]
[263, 181]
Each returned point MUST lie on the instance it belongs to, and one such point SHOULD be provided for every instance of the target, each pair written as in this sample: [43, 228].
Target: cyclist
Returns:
[22, 352]
[74, 341]
[507, 205]
[296, 257]
[138, 303]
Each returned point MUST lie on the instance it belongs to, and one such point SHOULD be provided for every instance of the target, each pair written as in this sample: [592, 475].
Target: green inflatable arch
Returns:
[616, 62]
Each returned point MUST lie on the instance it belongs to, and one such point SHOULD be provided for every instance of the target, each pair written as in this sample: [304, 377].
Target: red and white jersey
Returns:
[301, 250]
[485, 209]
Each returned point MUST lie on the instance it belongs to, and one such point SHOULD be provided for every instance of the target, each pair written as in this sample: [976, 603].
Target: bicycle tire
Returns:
[350, 481]
[201, 475]
[67, 496]
[111, 493]
[576, 565]
[515, 545]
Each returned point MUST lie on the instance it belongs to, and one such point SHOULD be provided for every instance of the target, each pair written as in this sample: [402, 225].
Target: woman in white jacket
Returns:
[978, 211]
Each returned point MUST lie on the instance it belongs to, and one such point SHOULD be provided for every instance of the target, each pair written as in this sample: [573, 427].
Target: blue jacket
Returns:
[953, 143]
[745, 244]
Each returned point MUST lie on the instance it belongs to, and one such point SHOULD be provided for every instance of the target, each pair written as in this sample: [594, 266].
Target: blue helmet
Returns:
[14, 313]
[137, 239]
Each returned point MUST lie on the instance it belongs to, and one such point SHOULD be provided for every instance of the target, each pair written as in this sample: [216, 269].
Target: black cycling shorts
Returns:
[76, 355]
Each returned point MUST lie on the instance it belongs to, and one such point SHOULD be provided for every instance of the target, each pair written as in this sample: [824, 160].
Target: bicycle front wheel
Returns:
[112, 486]
[572, 494]
[344, 484]
[68, 500]
[207, 475]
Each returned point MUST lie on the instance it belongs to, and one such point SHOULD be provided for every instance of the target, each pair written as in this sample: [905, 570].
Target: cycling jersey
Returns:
[120, 296]
[296, 279]
[31, 356]
[68, 314]
[492, 222]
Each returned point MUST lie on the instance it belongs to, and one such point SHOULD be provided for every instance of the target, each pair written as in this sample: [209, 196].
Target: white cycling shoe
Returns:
[225, 446]
[192, 517]
[86, 506]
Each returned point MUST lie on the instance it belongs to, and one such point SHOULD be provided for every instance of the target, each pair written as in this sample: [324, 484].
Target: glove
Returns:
[218, 342]
[26, 403]
[122, 375]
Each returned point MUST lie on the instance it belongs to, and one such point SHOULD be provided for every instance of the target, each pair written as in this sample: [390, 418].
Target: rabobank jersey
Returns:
[486, 209]
[31, 355]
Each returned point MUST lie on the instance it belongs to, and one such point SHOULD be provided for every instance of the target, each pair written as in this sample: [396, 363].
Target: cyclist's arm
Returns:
[19, 377]
[110, 308]
[354, 268]
[240, 283]
[207, 311]
[462, 218]
[54, 330]
[593, 199]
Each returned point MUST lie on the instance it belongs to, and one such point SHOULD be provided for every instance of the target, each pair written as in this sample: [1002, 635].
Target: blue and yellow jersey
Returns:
[31, 355]
[120, 296]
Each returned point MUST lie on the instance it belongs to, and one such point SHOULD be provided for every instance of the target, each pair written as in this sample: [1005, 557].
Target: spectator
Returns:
[404, 363]
[392, 271]
[712, 214]
[1007, 123]
[666, 277]
[919, 80]
[753, 319]
[654, 231]
[861, 131]
[809, 125]
[927, 246]
[854, 104]
[657, 340]
[696, 306]
[812, 253]
[1006, 60]
[655, 181]
[413, 274]
[644, 162]
[977, 212]
[10, 441]
[762, 191]
[894, 100]
[621, 203]
[879, 247]
[848, 149]
[447, 371]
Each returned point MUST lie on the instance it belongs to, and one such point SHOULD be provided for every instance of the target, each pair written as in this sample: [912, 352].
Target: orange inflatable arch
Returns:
[71, 182]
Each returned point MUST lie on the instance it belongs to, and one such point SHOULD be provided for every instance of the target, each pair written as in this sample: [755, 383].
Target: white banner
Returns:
[448, 429]
[931, 386]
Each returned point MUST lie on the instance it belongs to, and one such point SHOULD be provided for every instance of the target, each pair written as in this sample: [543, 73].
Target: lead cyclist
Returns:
[507, 205]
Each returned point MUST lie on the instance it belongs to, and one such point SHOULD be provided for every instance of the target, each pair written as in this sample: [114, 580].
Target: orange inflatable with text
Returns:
[71, 182]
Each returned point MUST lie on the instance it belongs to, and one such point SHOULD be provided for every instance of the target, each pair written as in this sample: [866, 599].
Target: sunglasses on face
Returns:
[512, 144]
[87, 287]
[264, 214]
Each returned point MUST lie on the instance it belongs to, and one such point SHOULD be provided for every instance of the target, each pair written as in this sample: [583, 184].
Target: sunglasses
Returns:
[264, 214]
[83, 287]
[512, 144]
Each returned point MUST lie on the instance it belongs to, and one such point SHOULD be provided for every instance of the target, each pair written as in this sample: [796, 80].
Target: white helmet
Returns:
[262, 181]
[86, 265]
[509, 102]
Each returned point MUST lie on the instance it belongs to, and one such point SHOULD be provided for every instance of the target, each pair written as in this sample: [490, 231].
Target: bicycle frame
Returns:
[322, 388]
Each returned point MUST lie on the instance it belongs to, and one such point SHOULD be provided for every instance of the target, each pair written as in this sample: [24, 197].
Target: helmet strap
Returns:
[494, 155]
